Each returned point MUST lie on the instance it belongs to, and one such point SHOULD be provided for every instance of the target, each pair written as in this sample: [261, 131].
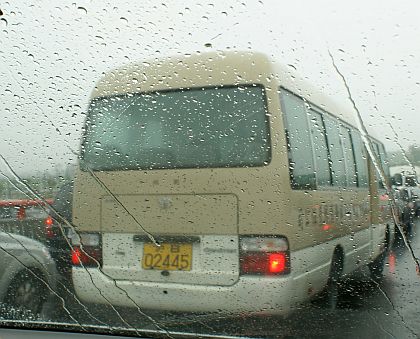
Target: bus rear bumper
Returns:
[249, 295]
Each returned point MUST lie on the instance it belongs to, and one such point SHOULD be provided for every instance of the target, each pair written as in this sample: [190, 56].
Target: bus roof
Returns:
[215, 69]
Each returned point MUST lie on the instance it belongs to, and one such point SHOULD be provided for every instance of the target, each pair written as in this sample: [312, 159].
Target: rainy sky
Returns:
[52, 53]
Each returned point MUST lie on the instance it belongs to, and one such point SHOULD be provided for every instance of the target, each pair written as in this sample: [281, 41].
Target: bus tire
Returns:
[334, 278]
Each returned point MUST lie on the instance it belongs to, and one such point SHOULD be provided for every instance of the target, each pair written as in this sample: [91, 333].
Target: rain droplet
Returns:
[124, 19]
[4, 22]
[84, 10]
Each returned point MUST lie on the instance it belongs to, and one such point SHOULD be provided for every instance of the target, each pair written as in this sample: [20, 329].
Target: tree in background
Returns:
[397, 158]
[44, 184]
[414, 154]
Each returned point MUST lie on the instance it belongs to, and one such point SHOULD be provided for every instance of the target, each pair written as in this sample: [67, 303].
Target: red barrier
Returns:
[25, 202]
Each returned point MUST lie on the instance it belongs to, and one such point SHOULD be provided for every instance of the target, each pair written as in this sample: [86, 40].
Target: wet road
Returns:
[390, 309]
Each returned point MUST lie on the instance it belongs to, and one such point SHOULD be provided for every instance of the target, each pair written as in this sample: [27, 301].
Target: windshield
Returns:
[207, 127]
[212, 169]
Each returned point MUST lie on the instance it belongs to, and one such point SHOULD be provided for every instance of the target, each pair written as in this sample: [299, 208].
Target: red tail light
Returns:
[277, 262]
[264, 256]
[49, 221]
[21, 213]
[49, 232]
[90, 254]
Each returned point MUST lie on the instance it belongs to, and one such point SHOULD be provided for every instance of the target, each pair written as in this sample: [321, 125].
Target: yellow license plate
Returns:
[167, 256]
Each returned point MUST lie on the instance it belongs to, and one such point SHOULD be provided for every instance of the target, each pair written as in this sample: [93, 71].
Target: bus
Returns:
[221, 182]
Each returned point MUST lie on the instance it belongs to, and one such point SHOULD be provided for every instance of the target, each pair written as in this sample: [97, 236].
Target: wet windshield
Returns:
[212, 169]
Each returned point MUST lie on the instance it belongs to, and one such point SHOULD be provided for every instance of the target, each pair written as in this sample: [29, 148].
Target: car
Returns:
[28, 274]
[24, 217]
[407, 194]
[410, 206]
[56, 228]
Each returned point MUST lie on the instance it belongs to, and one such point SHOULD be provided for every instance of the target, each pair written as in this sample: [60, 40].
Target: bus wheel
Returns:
[334, 279]
[376, 267]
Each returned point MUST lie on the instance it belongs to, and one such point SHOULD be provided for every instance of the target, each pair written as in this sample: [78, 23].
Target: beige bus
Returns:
[221, 182]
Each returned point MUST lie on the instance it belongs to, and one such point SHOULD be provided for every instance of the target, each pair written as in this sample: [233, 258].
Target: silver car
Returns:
[28, 274]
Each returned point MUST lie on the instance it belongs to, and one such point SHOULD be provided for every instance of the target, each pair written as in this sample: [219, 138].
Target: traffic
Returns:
[28, 297]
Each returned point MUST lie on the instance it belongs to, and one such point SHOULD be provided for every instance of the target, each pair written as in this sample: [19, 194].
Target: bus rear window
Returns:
[195, 128]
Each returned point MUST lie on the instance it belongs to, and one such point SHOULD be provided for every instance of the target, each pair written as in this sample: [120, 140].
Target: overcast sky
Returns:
[52, 53]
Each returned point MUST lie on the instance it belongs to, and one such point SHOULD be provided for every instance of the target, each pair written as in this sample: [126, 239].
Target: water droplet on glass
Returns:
[84, 10]
[3, 22]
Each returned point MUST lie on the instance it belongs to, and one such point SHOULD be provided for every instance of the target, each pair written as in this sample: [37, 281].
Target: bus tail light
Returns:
[260, 255]
[87, 250]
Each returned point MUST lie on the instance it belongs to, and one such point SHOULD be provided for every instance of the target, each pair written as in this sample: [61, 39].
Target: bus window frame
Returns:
[267, 116]
[350, 128]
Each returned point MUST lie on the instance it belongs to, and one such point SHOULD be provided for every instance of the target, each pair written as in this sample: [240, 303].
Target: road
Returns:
[365, 310]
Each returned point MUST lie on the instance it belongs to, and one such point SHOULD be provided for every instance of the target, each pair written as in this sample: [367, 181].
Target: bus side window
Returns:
[335, 144]
[385, 164]
[380, 163]
[299, 146]
[349, 154]
[319, 142]
[361, 159]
